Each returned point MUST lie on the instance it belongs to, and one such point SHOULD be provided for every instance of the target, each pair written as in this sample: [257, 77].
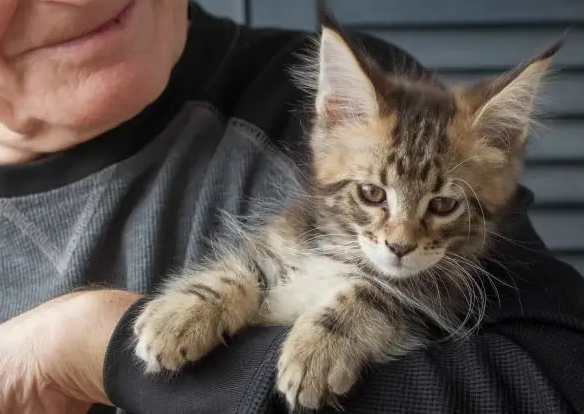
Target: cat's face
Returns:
[410, 192]
[417, 173]
[417, 196]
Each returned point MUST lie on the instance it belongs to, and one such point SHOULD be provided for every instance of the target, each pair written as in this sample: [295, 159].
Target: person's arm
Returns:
[51, 357]
[82, 324]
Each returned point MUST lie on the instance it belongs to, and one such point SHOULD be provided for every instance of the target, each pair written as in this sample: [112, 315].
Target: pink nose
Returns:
[399, 249]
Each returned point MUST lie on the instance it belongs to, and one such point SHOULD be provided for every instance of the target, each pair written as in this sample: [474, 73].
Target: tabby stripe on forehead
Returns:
[441, 144]
[331, 189]
[438, 184]
[424, 171]
[419, 135]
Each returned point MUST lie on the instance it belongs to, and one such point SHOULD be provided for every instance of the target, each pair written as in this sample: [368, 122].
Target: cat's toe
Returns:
[172, 331]
[316, 367]
[143, 351]
[342, 377]
[296, 387]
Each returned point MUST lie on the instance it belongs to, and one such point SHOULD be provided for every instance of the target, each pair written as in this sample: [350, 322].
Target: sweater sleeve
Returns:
[528, 356]
[232, 379]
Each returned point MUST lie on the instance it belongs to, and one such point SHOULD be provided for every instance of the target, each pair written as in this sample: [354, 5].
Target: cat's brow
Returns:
[419, 133]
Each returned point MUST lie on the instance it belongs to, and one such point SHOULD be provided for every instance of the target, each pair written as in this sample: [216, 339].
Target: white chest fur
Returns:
[314, 281]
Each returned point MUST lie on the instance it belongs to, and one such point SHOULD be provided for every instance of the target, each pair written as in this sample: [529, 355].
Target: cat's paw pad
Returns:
[175, 329]
[315, 367]
[186, 323]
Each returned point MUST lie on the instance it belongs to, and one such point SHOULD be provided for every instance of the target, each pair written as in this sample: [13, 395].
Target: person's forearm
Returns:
[238, 375]
[88, 320]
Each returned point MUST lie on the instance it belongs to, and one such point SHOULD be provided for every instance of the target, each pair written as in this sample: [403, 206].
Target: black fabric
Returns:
[528, 356]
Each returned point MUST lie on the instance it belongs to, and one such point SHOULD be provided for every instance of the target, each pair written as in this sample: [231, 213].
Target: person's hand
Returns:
[51, 357]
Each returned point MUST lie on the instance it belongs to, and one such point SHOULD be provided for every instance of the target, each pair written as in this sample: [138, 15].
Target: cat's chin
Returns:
[397, 272]
[393, 268]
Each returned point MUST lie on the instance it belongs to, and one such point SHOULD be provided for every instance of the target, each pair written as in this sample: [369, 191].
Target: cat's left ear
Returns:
[345, 90]
[501, 108]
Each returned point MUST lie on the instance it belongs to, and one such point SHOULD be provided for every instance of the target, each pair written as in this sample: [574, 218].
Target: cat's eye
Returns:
[371, 193]
[442, 206]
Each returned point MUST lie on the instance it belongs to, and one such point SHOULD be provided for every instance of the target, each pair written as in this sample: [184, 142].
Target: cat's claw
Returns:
[315, 367]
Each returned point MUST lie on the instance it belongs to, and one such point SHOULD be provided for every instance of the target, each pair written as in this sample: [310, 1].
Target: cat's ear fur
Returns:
[501, 108]
[344, 88]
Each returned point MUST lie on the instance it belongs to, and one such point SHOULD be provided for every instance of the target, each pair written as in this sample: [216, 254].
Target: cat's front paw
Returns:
[316, 366]
[183, 325]
[174, 329]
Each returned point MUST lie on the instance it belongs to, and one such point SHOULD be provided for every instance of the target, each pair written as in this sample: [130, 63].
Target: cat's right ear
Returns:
[502, 107]
[344, 91]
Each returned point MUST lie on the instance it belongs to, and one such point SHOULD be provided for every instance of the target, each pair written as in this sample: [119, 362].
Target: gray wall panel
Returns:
[558, 140]
[292, 14]
[233, 9]
[563, 93]
[484, 47]
[562, 232]
[388, 12]
[556, 184]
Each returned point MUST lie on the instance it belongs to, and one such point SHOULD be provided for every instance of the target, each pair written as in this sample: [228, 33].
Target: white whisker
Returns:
[480, 207]
[467, 210]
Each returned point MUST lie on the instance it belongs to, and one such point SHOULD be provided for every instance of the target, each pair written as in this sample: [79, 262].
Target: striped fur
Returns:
[361, 281]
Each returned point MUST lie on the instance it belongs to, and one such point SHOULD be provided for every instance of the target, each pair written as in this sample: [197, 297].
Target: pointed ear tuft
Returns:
[502, 107]
[553, 48]
[345, 91]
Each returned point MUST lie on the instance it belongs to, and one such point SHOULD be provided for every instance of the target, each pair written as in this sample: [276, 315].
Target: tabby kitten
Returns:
[408, 181]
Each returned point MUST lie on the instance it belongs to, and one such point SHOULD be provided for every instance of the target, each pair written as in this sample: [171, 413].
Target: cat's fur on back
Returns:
[408, 181]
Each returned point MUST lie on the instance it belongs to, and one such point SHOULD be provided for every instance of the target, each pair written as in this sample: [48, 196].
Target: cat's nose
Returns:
[400, 249]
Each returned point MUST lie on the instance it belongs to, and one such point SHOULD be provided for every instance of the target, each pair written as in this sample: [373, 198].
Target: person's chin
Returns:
[117, 72]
